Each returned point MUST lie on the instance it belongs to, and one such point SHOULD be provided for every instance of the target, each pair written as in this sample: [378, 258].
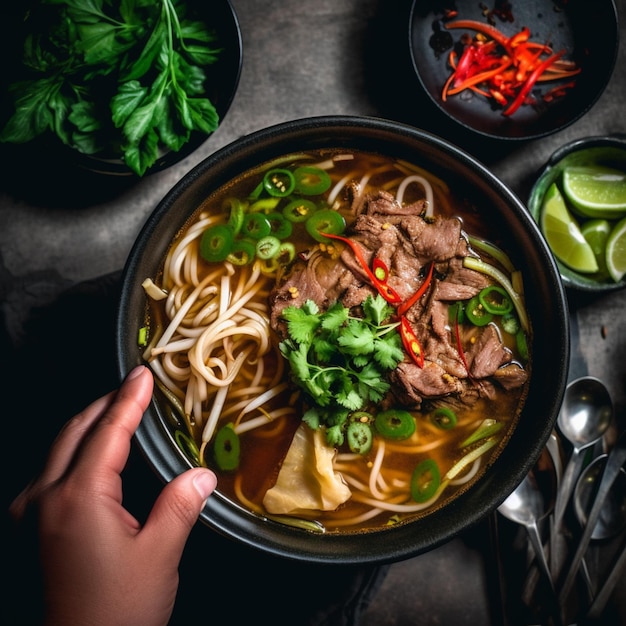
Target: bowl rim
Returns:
[571, 279]
[405, 540]
[613, 16]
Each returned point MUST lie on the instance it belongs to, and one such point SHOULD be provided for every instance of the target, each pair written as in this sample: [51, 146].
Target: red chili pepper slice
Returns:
[530, 81]
[381, 271]
[504, 68]
[459, 345]
[411, 342]
[387, 292]
[407, 304]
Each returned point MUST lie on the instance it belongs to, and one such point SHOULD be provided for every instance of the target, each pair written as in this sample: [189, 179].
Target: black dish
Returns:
[587, 31]
[222, 80]
[546, 305]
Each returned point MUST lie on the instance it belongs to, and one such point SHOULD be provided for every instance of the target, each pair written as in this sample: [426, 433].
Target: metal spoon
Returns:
[612, 518]
[585, 415]
[532, 501]
[612, 469]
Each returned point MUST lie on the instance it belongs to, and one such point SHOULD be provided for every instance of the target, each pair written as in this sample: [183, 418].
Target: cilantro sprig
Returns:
[340, 361]
[114, 76]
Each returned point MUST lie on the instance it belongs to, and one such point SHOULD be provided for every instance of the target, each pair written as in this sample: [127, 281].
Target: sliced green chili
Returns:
[286, 253]
[243, 252]
[495, 300]
[280, 227]
[395, 424]
[311, 181]
[444, 418]
[256, 225]
[267, 247]
[476, 312]
[237, 213]
[325, 221]
[359, 437]
[216, 243]
[279, 183]
[226, 448]
[299, 210]
[425, 480]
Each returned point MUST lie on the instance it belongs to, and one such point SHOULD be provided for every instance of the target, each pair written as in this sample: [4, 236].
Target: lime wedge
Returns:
[563, 234]
[596, 233]
[596, 191]
[616, 251]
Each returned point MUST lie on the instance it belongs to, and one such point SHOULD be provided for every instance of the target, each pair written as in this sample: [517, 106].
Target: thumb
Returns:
[175, 512]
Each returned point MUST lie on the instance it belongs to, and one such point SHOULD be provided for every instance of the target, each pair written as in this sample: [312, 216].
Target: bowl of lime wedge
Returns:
[579, 203]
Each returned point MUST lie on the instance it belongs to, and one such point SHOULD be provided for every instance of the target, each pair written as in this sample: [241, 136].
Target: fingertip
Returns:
[136, 372]
[204, 483]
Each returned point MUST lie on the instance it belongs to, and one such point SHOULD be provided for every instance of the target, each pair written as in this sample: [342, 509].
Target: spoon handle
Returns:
[597, 606]
[614, 462]
[535, 541]
[558, 546]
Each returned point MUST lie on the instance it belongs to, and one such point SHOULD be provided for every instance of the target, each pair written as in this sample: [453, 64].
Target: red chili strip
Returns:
[530, 81]
[387, 292]
[411, 342]
[407, 304]
[459, 345]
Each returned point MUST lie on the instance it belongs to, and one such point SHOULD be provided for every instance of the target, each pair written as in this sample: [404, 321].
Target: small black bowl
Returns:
[588, 31]
[545, 303]
[222, 80]
[602, 150]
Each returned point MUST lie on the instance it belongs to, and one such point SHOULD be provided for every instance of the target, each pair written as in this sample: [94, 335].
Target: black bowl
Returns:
[603, 150]
[222, 80]
[588, 31]
[546, 305]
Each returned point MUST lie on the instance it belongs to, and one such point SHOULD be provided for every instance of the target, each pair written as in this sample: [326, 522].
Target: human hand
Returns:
[99, 564]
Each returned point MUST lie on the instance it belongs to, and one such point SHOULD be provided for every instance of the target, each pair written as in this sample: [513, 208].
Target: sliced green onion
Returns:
[487, 428]
[493, 251]
[510, 323]
[470, 457]
[297, 522]
[187, 445]
[142, 338]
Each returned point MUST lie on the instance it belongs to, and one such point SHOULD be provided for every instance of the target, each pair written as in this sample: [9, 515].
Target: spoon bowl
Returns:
[585, 415]
[532, 501]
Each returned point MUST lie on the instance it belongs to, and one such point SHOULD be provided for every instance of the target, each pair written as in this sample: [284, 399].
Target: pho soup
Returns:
[341, 338]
